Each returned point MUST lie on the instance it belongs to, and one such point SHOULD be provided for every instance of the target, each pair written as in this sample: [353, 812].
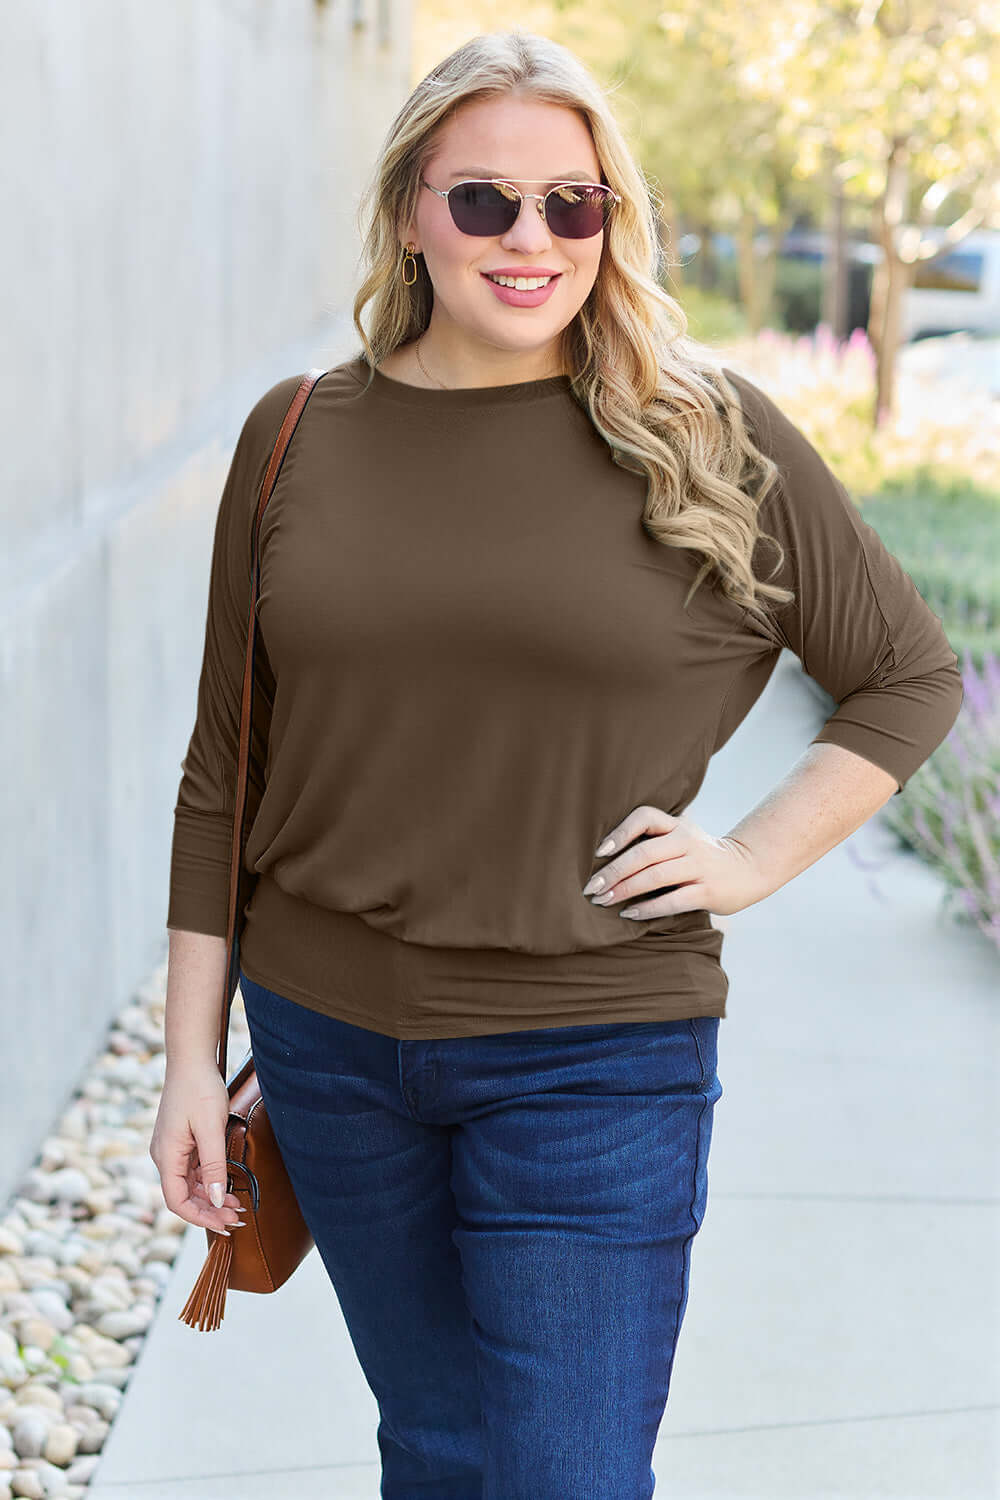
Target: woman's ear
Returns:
[407, 235]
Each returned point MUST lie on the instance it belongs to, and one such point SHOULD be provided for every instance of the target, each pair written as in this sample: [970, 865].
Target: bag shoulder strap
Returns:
[236, 872]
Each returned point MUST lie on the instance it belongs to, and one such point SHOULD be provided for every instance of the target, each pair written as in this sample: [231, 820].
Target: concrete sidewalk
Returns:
[842, 1334]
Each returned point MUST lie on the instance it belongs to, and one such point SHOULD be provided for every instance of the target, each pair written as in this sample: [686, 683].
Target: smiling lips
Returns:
[521, 271]
[520, 282]
[521, 289]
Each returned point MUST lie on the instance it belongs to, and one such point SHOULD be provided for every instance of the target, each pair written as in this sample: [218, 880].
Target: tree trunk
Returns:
[892, 277]
[835, 265]
[707, 278]
[747, 269]
[767, 269]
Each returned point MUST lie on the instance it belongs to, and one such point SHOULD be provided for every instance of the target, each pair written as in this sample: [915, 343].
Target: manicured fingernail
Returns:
[217, 1192]
[606, 847]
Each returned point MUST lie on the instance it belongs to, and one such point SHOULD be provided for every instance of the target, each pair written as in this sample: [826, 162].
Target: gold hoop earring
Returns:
[408, 255]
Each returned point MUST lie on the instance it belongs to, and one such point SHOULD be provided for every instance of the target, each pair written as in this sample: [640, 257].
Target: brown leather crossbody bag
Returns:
[279, 1239]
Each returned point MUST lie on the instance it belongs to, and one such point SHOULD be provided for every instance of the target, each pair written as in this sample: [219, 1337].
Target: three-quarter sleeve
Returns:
[858, 623]
[201, 849]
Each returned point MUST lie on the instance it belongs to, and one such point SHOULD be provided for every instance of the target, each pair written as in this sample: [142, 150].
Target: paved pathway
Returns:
[842, 1333]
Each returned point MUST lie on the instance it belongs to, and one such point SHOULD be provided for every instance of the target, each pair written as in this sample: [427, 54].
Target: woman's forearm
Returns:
[828, 794]
[196, 968]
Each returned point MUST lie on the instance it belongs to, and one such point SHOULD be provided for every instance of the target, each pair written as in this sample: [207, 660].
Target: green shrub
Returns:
[946, 537]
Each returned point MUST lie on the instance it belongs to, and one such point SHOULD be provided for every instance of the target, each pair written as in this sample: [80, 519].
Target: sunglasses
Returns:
[488, 207]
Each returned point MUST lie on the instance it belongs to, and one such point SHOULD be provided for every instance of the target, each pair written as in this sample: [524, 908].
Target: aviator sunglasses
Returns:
[488, 207]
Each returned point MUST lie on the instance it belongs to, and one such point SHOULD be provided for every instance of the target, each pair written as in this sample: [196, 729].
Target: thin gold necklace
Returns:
[416, 350]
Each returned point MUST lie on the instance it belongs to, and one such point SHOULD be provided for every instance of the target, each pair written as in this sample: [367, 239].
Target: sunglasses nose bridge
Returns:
[539, 204]
[520, 201]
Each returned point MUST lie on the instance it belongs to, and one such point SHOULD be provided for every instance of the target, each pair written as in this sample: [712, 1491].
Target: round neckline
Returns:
[463, 395]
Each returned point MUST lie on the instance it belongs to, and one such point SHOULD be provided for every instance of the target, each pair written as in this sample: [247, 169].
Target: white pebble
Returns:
[32, 1269]
[61, 1444]
[40, 1242]
[76, 1280]
[123, 1254]
[12, 1370]
[105, 1375]
[51, 1478]
[70, 1250]
[163, 1247]
[93, 1434]
[103, 1351]
[90, 1261]
[35, 1393]
[27, 1483]
[68, 1185]
[17, 1305]
[36, 1332]
[103, 1398]
[53, 1308]
[29, 1432]
[31, 1213]
[110, 1292]
[124, 1322]
[82, 1468]
[52, 1154]
[57, 1284]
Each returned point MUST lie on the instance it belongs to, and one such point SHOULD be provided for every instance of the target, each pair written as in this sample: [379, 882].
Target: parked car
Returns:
[956, 292]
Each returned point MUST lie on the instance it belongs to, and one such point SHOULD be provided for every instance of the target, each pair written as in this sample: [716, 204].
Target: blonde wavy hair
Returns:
[657, 396]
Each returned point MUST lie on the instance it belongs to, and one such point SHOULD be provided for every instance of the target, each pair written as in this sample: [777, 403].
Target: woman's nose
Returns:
[530, 227]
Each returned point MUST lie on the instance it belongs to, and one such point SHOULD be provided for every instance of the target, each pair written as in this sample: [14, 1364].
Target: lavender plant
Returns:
[949, 810]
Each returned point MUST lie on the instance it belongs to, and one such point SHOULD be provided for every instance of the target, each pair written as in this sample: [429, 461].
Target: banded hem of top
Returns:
[491, 1025]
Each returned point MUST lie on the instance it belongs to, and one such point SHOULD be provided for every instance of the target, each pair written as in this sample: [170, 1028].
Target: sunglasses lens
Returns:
[578, 213]
[490, 209]
[480, 208]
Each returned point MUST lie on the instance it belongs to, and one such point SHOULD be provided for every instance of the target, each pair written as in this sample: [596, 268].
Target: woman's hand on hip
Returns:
[652, 849]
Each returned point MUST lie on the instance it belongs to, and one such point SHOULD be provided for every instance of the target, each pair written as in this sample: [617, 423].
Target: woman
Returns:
[529, 561]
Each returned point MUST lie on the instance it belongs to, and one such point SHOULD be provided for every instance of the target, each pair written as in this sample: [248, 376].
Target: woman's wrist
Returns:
[195, 975]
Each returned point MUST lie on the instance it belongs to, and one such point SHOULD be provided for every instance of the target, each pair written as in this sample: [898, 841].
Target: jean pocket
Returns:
[705, 1034]
[264, 1010]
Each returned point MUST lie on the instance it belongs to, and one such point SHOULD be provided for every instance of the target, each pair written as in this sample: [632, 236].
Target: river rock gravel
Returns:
[86, 1249]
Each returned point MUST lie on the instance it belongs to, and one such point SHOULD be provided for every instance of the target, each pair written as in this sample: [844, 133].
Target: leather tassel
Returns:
[207, 1302]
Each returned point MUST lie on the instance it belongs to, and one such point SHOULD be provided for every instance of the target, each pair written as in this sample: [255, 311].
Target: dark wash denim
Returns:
[507, 1223]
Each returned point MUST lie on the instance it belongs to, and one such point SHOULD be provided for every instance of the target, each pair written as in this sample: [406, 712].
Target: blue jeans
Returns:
[507, 1223]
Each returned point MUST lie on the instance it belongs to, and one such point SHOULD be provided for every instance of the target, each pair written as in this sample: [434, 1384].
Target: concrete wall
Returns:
[181, 184]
